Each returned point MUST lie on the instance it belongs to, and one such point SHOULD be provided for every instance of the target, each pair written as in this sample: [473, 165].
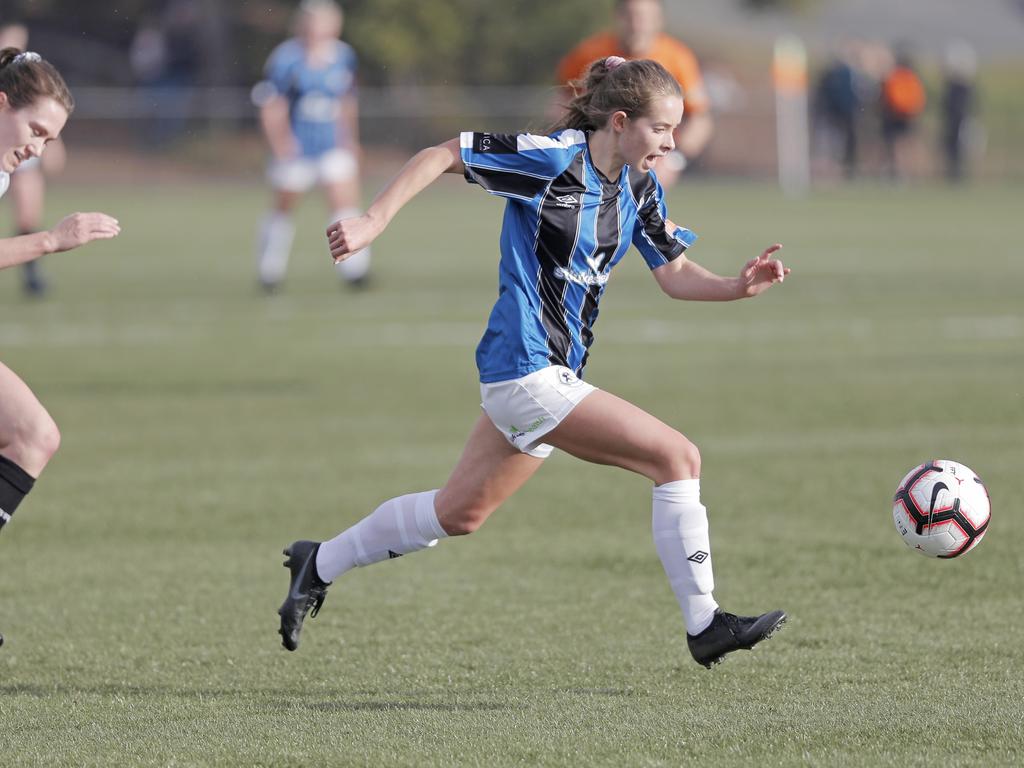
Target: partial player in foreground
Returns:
[309, 115]
[34, 105]
[576, 199]
[27, 191]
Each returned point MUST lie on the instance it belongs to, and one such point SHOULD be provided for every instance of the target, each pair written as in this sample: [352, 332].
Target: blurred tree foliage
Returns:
[778, 5]
[468, 41]
[398, 41]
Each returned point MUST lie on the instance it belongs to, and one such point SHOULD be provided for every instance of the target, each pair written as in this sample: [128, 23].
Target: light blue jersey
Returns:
[314, 94]
[565, 227]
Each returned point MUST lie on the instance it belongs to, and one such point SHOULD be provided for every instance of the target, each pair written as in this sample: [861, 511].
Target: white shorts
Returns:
[301, 173]
[527, 408]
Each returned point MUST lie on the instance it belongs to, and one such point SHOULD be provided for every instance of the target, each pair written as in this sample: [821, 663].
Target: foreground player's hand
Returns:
[81, 228]
[760, 273]
[348, 236]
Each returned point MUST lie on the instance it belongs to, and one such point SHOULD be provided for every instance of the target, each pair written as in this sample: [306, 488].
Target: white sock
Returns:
[275, 244]
[680, 526]
[397, 527]
[358, 264]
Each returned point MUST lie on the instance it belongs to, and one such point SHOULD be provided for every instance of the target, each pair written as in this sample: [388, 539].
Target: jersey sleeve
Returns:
[650, 237]
[276, 75]
[517, 165]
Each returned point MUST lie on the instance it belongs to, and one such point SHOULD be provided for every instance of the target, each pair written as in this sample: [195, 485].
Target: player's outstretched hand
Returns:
[759, 274]
[81, 228]
[348, 236]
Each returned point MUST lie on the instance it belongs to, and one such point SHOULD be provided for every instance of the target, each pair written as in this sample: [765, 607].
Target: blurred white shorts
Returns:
[28, 165]
[300, 174]
[527, 408]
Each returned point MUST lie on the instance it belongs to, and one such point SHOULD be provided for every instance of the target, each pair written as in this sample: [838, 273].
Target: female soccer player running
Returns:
[576, 199]
[34, 105]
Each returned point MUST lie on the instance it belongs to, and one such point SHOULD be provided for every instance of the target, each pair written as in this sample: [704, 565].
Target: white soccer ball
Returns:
[941, 509]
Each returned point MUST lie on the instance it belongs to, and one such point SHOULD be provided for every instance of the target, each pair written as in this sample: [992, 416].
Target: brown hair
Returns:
[630, 87]
[27, 77]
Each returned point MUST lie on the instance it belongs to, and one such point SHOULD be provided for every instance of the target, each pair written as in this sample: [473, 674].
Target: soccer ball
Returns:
[941, 509]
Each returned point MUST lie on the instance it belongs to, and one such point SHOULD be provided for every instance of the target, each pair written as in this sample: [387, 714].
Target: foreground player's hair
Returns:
[630, 87]
[27, 77]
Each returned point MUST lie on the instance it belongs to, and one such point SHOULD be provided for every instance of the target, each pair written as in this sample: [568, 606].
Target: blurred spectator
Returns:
[27, 190]
[166, 59]
[958, 105]
[639, 34]
[837, 106]
[903, 102]
[309, 115]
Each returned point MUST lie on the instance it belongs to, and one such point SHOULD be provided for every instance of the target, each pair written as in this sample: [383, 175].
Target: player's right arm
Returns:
[347, 236]
[269, 96]
[277, 128]
[72, 231]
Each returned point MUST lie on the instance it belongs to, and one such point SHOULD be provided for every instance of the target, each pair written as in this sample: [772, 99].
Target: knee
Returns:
[679, 460]
[460, 519]
[35, 443]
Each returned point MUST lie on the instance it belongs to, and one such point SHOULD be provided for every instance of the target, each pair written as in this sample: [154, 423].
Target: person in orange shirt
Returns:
[903, 102]
[638, 35]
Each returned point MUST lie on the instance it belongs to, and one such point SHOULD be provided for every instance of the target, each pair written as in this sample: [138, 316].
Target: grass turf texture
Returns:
[205, 426]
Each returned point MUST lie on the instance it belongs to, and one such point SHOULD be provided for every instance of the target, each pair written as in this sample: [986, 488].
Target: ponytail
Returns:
[615, 85]
[26, 77]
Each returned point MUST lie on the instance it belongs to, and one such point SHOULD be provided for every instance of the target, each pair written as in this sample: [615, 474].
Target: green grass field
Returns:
[206, 426]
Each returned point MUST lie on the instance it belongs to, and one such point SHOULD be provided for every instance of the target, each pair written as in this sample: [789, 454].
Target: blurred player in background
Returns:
[28, 183]
[639, 34]
[903, 102]
[309, 115]
[34, 105]
[576, 200]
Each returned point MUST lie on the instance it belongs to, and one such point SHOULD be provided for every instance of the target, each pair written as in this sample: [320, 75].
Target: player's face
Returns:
[25, 132]
[646, 138]
[319, 25]
[640, 22]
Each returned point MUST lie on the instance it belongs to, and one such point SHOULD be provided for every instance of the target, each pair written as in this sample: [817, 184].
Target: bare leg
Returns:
[275, 239]
[28, 436]
[490, 470]
[605, 429]
[27, 192]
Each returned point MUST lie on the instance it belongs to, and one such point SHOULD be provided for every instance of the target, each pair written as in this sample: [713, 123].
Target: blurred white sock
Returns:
[680, 527]
[274, 246]
[397, 527]
[357, 265]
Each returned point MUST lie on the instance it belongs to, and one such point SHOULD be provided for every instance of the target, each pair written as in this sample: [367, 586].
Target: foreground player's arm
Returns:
[72, 231]
[350, 235]
[685, 279]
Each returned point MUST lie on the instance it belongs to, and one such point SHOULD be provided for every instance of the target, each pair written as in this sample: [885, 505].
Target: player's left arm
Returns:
[685, 279]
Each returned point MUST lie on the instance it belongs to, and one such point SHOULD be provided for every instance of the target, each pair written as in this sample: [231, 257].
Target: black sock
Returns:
[15, 483]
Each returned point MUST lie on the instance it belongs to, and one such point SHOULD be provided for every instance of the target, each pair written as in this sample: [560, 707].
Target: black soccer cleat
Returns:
[306, 591]
[728, 633]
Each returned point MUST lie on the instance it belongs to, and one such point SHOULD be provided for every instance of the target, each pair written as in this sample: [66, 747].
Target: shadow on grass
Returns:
[278, 699]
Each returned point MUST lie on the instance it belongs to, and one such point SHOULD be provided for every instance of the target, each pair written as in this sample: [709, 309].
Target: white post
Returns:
[789, 72]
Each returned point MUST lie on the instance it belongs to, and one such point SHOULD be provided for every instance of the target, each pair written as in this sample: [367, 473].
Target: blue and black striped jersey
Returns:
[314, 93]
[565, 227]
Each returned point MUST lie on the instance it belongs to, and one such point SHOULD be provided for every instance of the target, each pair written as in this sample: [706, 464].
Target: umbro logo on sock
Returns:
[698, 557]
[393, 555]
